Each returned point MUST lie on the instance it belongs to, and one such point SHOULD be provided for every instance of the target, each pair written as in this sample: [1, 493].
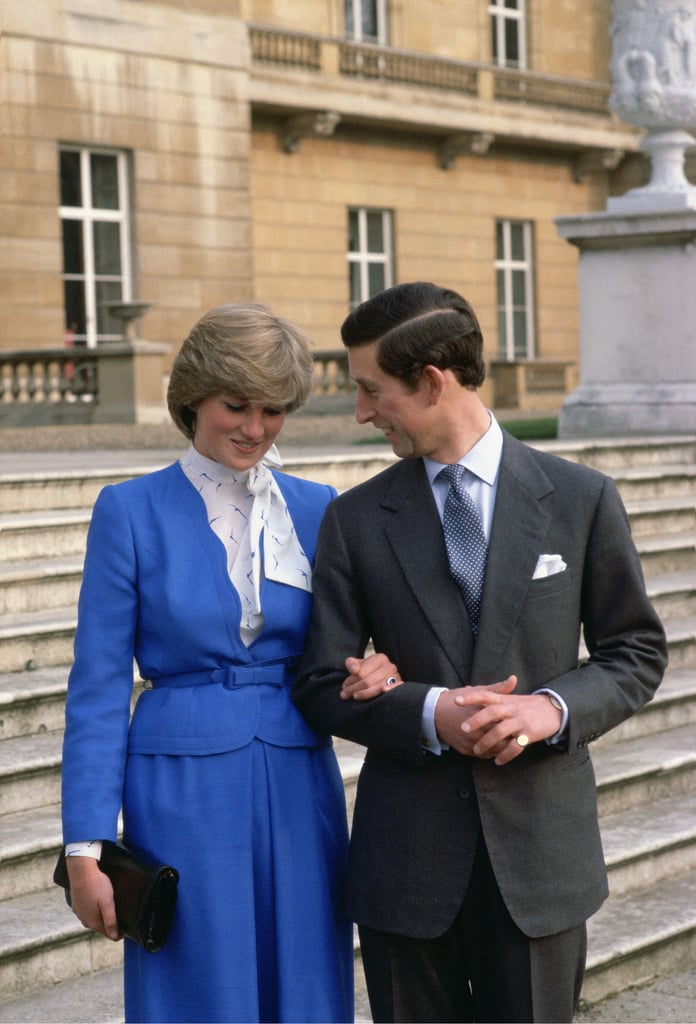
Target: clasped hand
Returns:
[485, 721]
[478, 721]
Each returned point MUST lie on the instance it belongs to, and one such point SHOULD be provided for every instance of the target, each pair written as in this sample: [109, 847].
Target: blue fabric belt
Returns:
[272, 674]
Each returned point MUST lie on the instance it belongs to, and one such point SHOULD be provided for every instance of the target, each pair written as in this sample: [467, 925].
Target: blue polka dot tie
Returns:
[465, 542]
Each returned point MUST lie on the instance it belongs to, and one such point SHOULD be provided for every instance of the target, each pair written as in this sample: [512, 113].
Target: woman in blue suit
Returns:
[201, 573]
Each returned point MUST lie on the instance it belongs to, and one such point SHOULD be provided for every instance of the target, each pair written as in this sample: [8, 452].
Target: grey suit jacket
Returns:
[382, 573]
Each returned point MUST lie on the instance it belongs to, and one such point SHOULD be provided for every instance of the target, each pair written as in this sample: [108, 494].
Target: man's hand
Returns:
[369, 677]
[92, 896]
[496, 718]
[453, 715]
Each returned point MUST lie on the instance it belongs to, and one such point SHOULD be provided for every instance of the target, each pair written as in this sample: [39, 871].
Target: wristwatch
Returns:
[555, 701]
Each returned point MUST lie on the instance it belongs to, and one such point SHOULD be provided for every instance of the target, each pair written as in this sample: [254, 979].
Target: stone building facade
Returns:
[304, 155]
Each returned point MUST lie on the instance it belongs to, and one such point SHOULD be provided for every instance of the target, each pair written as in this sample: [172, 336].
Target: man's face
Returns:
[405, 416]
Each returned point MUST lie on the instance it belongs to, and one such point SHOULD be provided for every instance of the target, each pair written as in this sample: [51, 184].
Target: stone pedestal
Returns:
[637, 299]
[131, 383]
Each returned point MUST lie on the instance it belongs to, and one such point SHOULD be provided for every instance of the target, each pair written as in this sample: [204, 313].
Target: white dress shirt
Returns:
[482, 464]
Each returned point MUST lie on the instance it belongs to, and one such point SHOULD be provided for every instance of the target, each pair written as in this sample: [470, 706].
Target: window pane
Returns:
[107, 248]
[519, 320]
[512, 42]
[369, 19]
[353, 231]
[108, 291]
[517, 241]
[375, 274]
[518, 288]
[375, 232]
[73, 262]
[355, 296]
[500, 281]
[512, 4]
[104, 182]
[501, 334]
[70, 180]
[74, 298]
[499, 240]
[349, 15]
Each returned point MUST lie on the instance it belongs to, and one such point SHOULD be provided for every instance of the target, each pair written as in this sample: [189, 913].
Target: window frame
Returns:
[366, 258]
[89, 215]
[505, 304]
[357, 35]
[502, 17]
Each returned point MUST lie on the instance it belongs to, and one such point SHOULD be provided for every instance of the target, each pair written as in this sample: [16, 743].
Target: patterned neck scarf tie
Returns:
[249, 514]
[465, 542]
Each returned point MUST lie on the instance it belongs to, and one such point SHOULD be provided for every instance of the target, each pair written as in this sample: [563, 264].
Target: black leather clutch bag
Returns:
[145, 892]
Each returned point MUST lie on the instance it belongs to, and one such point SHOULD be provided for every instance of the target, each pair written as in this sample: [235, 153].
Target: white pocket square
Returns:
[548, 565]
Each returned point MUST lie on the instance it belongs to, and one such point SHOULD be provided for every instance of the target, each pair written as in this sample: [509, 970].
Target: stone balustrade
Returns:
[531, 384]
[114, 383]
[126, 383]
[367, 60]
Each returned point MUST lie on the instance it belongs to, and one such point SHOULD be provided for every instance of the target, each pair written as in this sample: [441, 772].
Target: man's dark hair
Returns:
[418, 325]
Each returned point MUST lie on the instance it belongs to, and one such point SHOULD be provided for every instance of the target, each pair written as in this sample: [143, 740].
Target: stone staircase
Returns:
[51, 969]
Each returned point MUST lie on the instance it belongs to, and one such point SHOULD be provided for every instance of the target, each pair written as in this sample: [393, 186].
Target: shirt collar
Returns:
[483, 460]
[225, 474]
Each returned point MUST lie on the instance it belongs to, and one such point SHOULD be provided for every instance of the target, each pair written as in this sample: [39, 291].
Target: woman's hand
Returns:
[369, 677]
[92, 896]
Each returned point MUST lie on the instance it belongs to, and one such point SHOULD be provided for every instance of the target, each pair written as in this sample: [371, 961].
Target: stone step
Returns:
[620, 453]
[62, 489]
[650, 844]
[637, 772]
[636, 938]
[32, 701]
[667, 552]
[661, 516]
[32, 534]
[619, 957]
[41, 585]
[673, 594]
[673, 705]
[681, 640]
[30, 772]
[29, 843]
[44, 638]
[31, 492]
[37, 639]
[42, 942]
[95, 998]
[644, 483]
[33, 585]
[663, 833]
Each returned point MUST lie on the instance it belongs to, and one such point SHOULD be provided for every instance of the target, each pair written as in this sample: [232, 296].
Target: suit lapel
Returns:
[520, 524]
[414, 531]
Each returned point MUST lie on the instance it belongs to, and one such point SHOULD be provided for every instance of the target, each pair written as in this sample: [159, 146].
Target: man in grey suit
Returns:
[475, 854]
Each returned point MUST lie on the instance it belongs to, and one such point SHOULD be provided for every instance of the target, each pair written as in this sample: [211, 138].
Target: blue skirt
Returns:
[259, 837]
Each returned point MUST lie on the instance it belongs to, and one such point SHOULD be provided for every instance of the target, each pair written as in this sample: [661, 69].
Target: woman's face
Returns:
[234, 432]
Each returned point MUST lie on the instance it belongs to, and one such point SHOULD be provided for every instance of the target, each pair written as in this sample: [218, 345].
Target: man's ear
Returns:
[434, 382]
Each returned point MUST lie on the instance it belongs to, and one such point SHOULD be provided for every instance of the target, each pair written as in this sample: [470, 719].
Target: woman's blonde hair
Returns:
[242, 349]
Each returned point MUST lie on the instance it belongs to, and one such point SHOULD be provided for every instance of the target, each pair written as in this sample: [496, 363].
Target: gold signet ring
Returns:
[523, 739]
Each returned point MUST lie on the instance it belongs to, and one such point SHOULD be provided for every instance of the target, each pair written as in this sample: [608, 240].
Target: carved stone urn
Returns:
[653, 68]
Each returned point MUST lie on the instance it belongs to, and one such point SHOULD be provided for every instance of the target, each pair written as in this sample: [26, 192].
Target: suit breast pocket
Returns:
[548, 585]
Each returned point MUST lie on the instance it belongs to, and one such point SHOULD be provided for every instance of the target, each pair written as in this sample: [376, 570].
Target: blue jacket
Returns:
[156, 589]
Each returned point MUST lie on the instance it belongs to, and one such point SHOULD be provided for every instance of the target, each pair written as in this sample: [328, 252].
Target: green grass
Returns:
[544, 428]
